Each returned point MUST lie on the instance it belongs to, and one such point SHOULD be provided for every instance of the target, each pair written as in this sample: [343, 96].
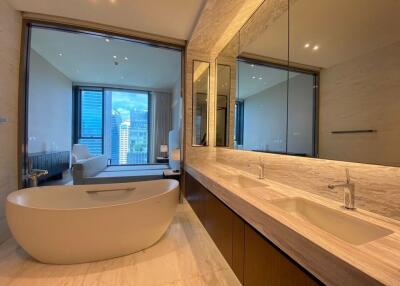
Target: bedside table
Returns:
[162, 160]
[169, 174]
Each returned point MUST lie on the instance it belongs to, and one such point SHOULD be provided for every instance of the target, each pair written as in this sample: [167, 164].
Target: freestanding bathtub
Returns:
[77, 224]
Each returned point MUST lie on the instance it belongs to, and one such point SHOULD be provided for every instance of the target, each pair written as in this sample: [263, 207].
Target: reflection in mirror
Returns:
[259, 41]
[222, 104]
[261, 108]
[359, 61]
[201, 74]
[333, 93]
[268, 117]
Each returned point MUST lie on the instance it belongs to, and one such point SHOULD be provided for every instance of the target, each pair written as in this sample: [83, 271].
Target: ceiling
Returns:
[172, 18]
[86, 58]
[342, 30]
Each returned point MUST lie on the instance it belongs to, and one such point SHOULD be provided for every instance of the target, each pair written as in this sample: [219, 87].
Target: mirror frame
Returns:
[208, 103]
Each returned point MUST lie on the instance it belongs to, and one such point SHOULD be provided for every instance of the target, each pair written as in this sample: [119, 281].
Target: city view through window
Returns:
[116, 123]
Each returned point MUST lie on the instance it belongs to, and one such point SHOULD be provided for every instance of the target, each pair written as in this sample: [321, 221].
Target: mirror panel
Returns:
[201, 90]
[226, 77]
[358, 61]
[223, 105]
[262, 75]
[262, 105]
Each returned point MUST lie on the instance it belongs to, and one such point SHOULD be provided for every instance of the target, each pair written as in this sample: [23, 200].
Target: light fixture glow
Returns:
[252, 65]
[316, 47]
[253, 77]
[114, 57]
[126, 58]
[107, 40]
[60, 54]
[260, 78]
[307, 45]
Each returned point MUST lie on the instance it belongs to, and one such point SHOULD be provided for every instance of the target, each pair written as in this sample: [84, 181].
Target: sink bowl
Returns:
[242, 181]
[343, 226]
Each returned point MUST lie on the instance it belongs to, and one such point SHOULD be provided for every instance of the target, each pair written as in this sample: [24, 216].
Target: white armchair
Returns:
[80, 152]
[85, 165]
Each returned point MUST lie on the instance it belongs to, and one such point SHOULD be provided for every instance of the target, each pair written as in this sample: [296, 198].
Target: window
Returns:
[115, 123]
[91, 120]
[129, 127]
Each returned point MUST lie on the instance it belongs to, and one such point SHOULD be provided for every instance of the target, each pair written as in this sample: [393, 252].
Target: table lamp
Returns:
[176, 156]
[164, 150]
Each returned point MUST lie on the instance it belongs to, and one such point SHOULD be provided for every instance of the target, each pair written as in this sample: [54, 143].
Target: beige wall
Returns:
[10, 34]
[50, 96]
[363, 93]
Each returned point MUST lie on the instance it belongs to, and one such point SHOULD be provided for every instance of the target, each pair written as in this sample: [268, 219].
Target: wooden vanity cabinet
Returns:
[224, 226]
[264, 264]
[252, 257]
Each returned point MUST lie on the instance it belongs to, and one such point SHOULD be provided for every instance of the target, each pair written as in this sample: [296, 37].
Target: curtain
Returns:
[160, 122]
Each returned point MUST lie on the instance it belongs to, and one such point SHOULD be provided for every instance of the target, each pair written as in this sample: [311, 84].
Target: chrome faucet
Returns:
[261, 169]
[349, 189]
[33, 175]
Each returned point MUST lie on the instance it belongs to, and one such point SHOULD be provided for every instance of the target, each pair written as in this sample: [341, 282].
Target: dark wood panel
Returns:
[265, 265]
[219, 219]
[197, 197]
[252, 257]
[238, 246]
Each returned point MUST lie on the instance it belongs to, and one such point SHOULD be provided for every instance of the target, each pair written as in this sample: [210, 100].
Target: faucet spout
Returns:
[261, 169]
[348, 191]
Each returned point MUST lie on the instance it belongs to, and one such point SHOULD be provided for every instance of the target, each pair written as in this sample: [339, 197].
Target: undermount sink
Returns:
[345, 227]
[242, 181]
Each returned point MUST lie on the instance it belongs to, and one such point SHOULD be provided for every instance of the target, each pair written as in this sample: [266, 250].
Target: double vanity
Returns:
[273, 234]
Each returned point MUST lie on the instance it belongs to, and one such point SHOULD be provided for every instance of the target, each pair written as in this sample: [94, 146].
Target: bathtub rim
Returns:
[8, 201]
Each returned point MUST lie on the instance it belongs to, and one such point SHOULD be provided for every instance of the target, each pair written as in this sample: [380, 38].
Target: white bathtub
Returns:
[73, 224]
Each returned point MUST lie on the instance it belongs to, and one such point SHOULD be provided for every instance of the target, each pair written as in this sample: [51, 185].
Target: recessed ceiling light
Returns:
[60, 54]
[252, 65]
[126, 58]
[107, 40]
[114, 57]
[315, 48]
[307, 45]
[253, 77]
[260, 78]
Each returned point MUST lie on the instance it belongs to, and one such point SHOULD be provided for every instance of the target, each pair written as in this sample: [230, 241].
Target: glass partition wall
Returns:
[117, 96]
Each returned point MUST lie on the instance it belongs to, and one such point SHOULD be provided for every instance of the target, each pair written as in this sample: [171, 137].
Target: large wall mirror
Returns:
[320, 79]
[201, 88]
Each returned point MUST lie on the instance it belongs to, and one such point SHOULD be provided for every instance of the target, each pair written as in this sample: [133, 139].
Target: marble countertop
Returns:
[330, 259]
